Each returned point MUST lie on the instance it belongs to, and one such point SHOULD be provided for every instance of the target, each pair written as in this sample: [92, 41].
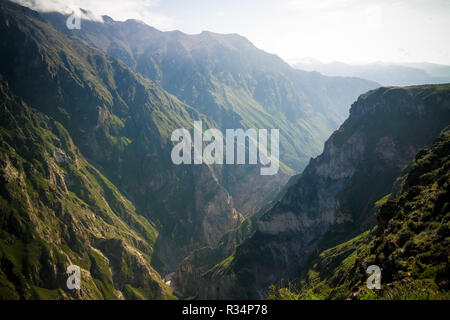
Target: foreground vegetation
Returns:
[410, 242]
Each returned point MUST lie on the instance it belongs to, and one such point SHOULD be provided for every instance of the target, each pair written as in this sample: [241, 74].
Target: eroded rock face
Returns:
[337, 190]
[215, 200]
[317, 190]
[249, 189]
[58, 210]
[409, 226]
[215, 207]
[122, 123]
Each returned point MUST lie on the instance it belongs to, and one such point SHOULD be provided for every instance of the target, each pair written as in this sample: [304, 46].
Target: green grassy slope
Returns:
[57, 210]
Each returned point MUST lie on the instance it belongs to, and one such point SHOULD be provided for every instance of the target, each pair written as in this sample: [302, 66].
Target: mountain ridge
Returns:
[230, 80]
[407, 243]
[329, 202]
[120, 120]
[59, 209]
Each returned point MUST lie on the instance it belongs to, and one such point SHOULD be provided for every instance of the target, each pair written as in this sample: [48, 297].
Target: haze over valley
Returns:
[93, 94]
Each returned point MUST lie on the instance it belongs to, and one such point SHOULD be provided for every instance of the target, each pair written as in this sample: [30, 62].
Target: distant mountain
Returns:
[387, 74]
[335, 197]
[435, 70]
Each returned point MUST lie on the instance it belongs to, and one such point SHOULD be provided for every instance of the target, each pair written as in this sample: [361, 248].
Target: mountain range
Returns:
[335, 197]
[120, 118]
[86, 176]
[409, 241]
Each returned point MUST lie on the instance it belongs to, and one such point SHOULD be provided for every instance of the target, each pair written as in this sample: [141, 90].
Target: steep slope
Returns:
[409, 243]
[58, 210]
[187, 279]
[333, 199]
[231, 81]
[122, 123]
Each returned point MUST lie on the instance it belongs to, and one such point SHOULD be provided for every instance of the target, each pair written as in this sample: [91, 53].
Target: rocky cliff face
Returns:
[335, 194]
[58, 210]
[215, 206]
[122, 123]
[232, 82]
[409, 242]
[188, 279]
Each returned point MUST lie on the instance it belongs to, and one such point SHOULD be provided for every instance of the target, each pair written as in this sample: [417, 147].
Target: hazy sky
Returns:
[327, 30]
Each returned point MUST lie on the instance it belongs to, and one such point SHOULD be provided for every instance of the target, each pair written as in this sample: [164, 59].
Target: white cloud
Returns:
[143, 10]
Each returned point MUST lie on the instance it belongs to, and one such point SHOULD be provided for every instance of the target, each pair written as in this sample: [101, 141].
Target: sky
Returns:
[352, 31]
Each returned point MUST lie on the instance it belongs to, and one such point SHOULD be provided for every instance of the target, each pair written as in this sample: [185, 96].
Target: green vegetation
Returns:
[409, 243]
[58, 210]
[97, 136]
[233, 83]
